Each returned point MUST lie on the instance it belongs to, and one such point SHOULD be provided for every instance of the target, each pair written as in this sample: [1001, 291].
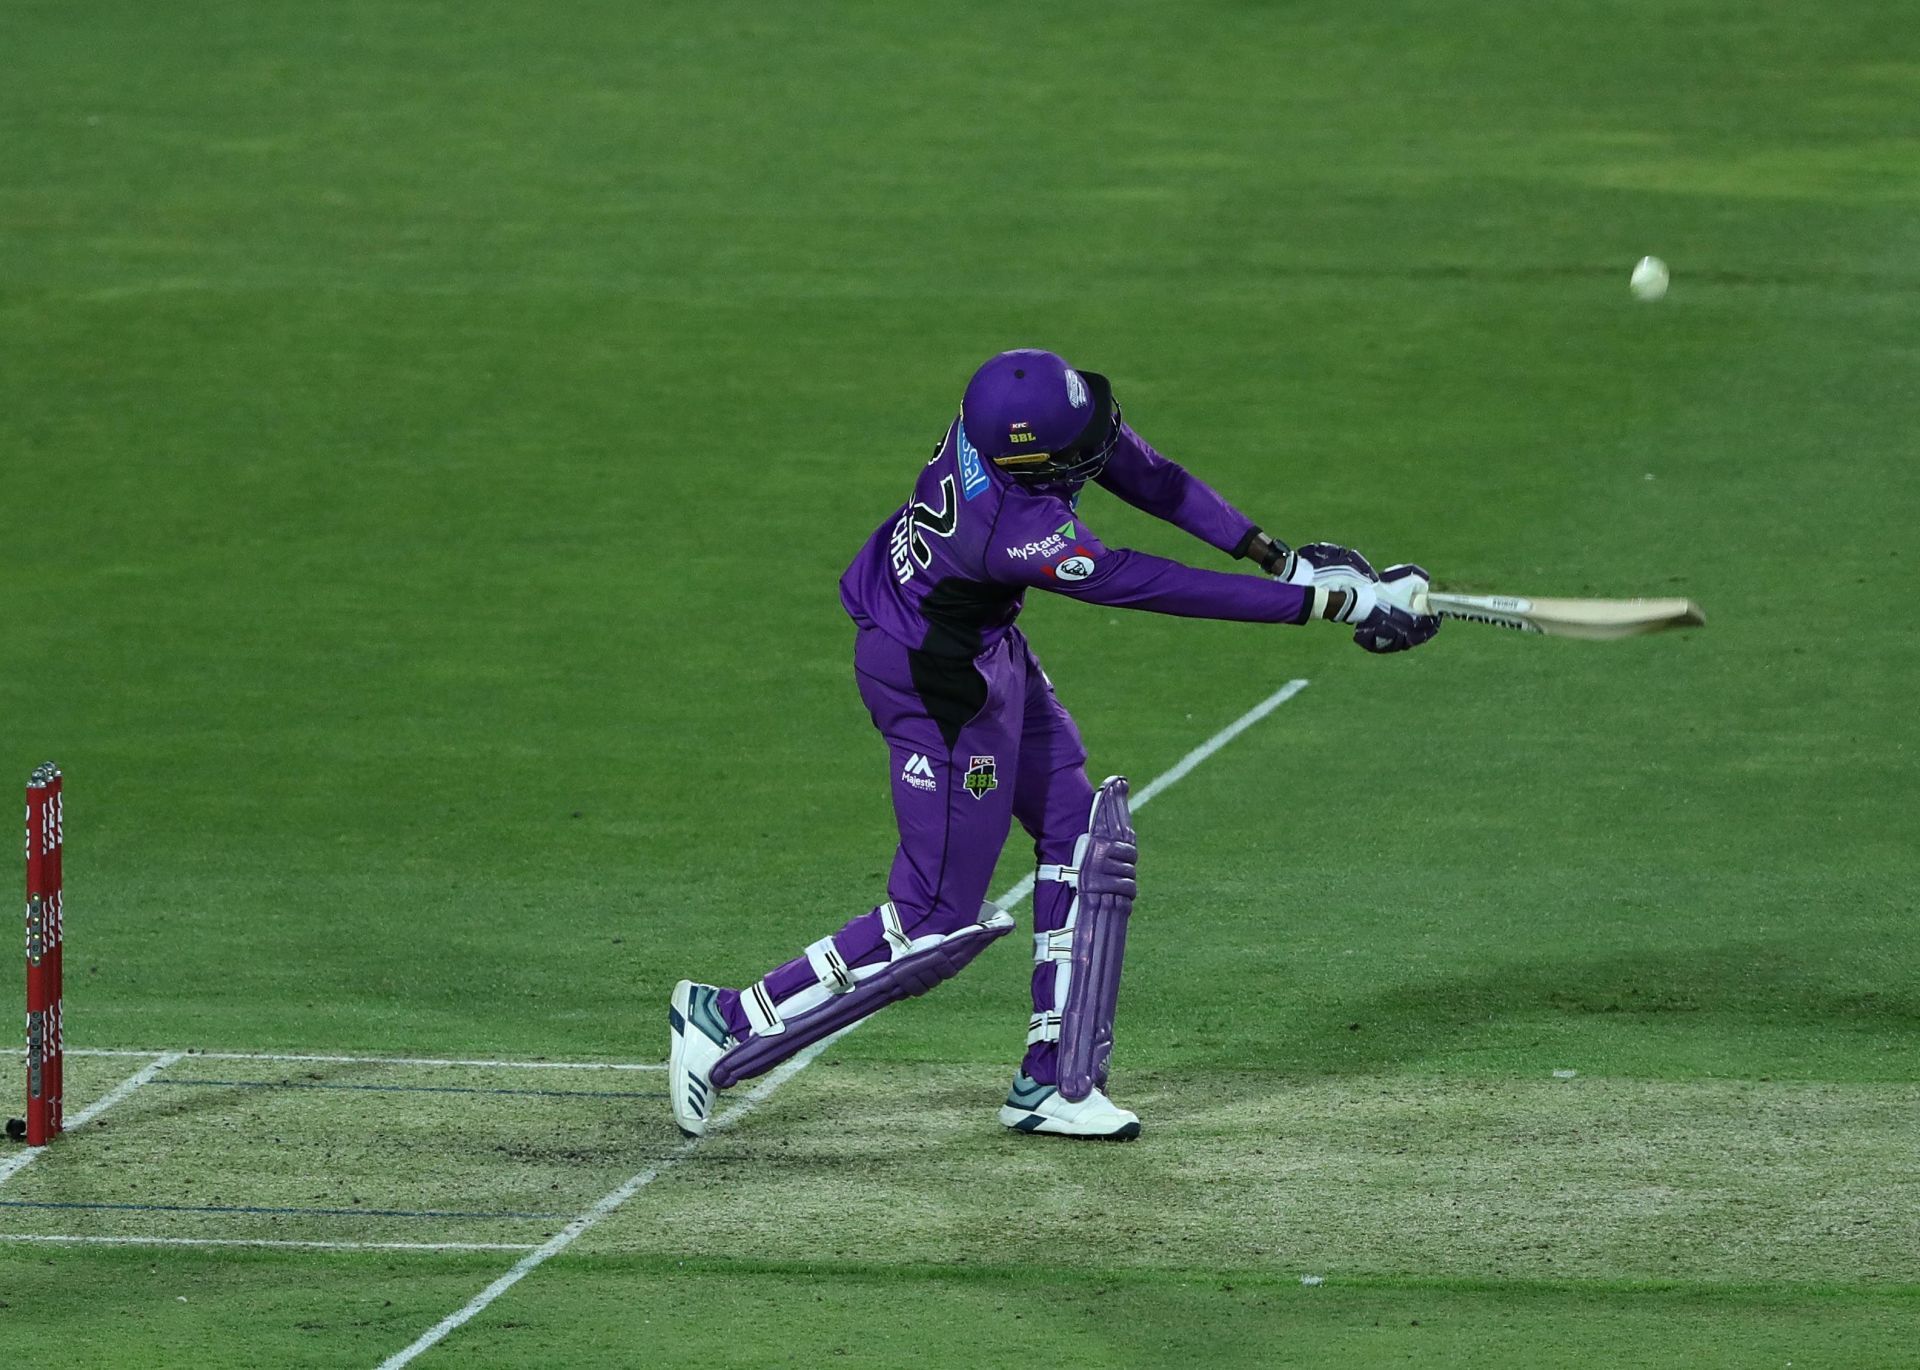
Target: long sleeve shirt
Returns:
[948, 572]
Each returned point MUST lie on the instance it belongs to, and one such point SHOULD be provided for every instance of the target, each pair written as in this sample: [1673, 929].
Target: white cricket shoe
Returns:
[700, 1038]
[1034, 1107]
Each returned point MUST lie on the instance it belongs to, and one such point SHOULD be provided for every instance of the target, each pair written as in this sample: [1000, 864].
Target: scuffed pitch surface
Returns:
[1706, 1181]
[342, 1153]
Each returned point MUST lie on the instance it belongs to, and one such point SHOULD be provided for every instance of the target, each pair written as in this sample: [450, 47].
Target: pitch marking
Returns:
[13, 1165]
[416, 1089]
[192, 1055]
[90, 1205]
[64, 1239]
[574, 1230]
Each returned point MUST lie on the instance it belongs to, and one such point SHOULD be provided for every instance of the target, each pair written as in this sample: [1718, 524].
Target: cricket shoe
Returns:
[700, 1039]
[1034, 1107]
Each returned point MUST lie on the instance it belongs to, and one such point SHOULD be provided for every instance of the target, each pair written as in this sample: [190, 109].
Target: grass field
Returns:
[430, 435]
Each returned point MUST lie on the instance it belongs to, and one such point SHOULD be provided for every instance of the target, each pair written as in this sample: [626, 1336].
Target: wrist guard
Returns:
[1270, 555]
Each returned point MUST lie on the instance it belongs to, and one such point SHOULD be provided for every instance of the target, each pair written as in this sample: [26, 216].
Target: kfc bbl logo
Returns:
[980, 777]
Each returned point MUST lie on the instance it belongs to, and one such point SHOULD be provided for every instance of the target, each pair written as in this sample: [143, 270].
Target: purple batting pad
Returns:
[915, 973]
[1107, 888]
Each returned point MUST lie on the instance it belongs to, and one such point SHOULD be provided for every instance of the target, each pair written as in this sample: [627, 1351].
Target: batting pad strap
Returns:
[939, 960]
[1065, 875]
[1043, 1027]
[830, 967]
[895, 934]
[1053, 946]
[757, 1004]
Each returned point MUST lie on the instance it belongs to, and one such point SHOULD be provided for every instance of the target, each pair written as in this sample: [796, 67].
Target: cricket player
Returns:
[976, 737]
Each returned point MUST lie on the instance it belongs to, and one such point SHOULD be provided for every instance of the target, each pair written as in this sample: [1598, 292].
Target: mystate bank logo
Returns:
[973, 476]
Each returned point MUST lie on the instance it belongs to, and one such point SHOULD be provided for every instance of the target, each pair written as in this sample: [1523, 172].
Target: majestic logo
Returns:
[1076, 567]
[908, 547]
[1076, 389]
[973, 476]
[918, 772]
[980, 776]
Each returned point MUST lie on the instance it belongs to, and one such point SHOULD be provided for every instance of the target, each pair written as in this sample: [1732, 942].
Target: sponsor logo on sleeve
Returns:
[1079, 566]
[973, 476]
[1052, 545]
[980, 776]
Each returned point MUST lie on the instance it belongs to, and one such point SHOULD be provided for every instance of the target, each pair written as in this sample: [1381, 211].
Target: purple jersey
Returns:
[947, 572]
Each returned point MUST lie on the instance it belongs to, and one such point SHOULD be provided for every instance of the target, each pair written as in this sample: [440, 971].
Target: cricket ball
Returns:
[1649, 279]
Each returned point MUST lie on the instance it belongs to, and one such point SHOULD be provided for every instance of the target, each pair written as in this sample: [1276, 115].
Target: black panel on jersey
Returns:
[952, 690]
[957, 611]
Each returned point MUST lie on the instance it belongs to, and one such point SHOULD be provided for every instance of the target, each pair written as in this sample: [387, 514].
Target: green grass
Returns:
[892, 1316]
[617, 1310]
[429, 435]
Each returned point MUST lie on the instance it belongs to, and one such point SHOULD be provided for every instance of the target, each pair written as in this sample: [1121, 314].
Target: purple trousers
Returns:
[971, 746]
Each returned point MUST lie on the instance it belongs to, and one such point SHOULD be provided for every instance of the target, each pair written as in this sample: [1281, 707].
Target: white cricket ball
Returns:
[1649, 279]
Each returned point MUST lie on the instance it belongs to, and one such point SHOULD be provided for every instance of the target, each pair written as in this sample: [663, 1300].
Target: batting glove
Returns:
[1325, 564]
[1399, 584]
[1380, 625]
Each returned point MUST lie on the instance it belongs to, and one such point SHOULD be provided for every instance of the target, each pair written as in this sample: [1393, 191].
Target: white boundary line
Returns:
[192, 1055]
[574, 1230]
[13, 1165]
[1181, 769]
[1185, 765]
[67, 1240]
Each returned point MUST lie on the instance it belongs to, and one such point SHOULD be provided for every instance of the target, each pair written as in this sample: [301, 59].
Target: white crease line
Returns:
[574, 1230]
[192, 1055]
[67, 1240]
[13, 1165]
[122, 1090]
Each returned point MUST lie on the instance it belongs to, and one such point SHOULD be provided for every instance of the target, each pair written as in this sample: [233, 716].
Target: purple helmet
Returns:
[1038, 419]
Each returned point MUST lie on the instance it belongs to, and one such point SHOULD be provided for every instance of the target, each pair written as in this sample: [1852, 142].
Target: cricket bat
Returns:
[1594, 619]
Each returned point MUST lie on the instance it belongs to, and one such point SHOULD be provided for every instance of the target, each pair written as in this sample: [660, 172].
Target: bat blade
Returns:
[1593, 619]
